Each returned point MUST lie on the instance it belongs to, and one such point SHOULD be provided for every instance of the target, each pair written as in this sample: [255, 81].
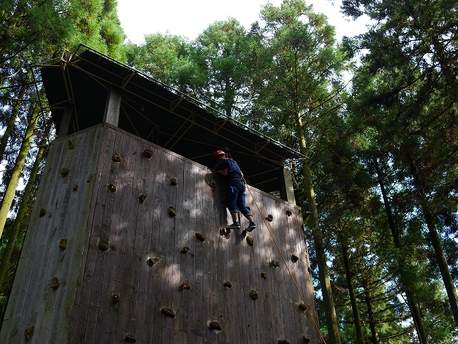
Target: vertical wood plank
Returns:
[153, 315]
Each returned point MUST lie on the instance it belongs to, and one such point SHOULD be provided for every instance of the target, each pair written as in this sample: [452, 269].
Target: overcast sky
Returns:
[189, 18]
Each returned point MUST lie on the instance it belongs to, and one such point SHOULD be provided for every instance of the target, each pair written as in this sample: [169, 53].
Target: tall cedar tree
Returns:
[35, 31]
[407, 93]
[298, 66]
[219, 52]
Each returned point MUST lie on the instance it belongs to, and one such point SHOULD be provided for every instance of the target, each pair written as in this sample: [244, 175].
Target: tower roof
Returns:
[157, 113]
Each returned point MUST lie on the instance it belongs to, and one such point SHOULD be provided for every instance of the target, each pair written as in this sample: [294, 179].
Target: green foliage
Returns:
[37, 31]
[94, 23]
[165, 58]
[220, 54]
[297, 76]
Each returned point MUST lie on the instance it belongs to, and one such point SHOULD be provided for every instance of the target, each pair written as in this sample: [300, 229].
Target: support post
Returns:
[66, 121]
[113, 106]
[287, 189]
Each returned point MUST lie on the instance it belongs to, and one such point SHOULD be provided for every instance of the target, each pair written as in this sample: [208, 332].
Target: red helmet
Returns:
[217, 153]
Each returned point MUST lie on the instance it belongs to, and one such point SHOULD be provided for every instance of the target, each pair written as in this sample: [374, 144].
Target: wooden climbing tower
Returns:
[124, 244]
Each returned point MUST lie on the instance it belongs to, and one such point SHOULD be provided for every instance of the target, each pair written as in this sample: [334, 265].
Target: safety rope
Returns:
[282, 257]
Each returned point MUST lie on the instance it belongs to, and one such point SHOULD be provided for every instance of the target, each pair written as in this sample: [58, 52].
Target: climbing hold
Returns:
[168, 312]
[264, 275]
[70, 145]
[274, 264]
[129, 338]
[214, 325]
[28, 333]
[283, 341]
[269, 218]
[116, 157]
[112, 187]
[185, 250]
[254, 294]
[142, 198]
[210, 180]
[249, 240]
[64, 171]
[306, 340]
[184, 286]
[301, 306]
[228, 285]
[147, 153]
[63, 244]
[225, 231]
[75, 187]
[55, 283]
[152, 261]
[172, 211]
[289, 213]
[173, 181]
[103, 244]
[200, 237]
[42, 212]
[294, 258]
[115, 300]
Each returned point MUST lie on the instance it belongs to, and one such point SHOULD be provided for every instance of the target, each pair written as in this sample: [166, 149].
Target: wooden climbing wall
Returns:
[124, 246]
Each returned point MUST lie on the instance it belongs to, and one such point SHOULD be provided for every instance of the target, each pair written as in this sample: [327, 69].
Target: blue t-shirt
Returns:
[233, 170]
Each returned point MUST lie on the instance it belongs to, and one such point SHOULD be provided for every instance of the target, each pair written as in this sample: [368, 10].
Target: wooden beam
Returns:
[66, 121]
[113, 106]
[287, 189]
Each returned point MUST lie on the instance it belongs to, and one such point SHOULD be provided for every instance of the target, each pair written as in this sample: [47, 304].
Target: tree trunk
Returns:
[370, 314]
[326, 289]
[354, 304]
[411, 299]
[416, 314]
[441, 260]
[435, 241]
[10, 125]
[4, 265]
[19, 165]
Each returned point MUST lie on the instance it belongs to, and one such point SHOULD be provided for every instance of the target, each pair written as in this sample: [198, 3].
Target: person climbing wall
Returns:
[236, 189]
